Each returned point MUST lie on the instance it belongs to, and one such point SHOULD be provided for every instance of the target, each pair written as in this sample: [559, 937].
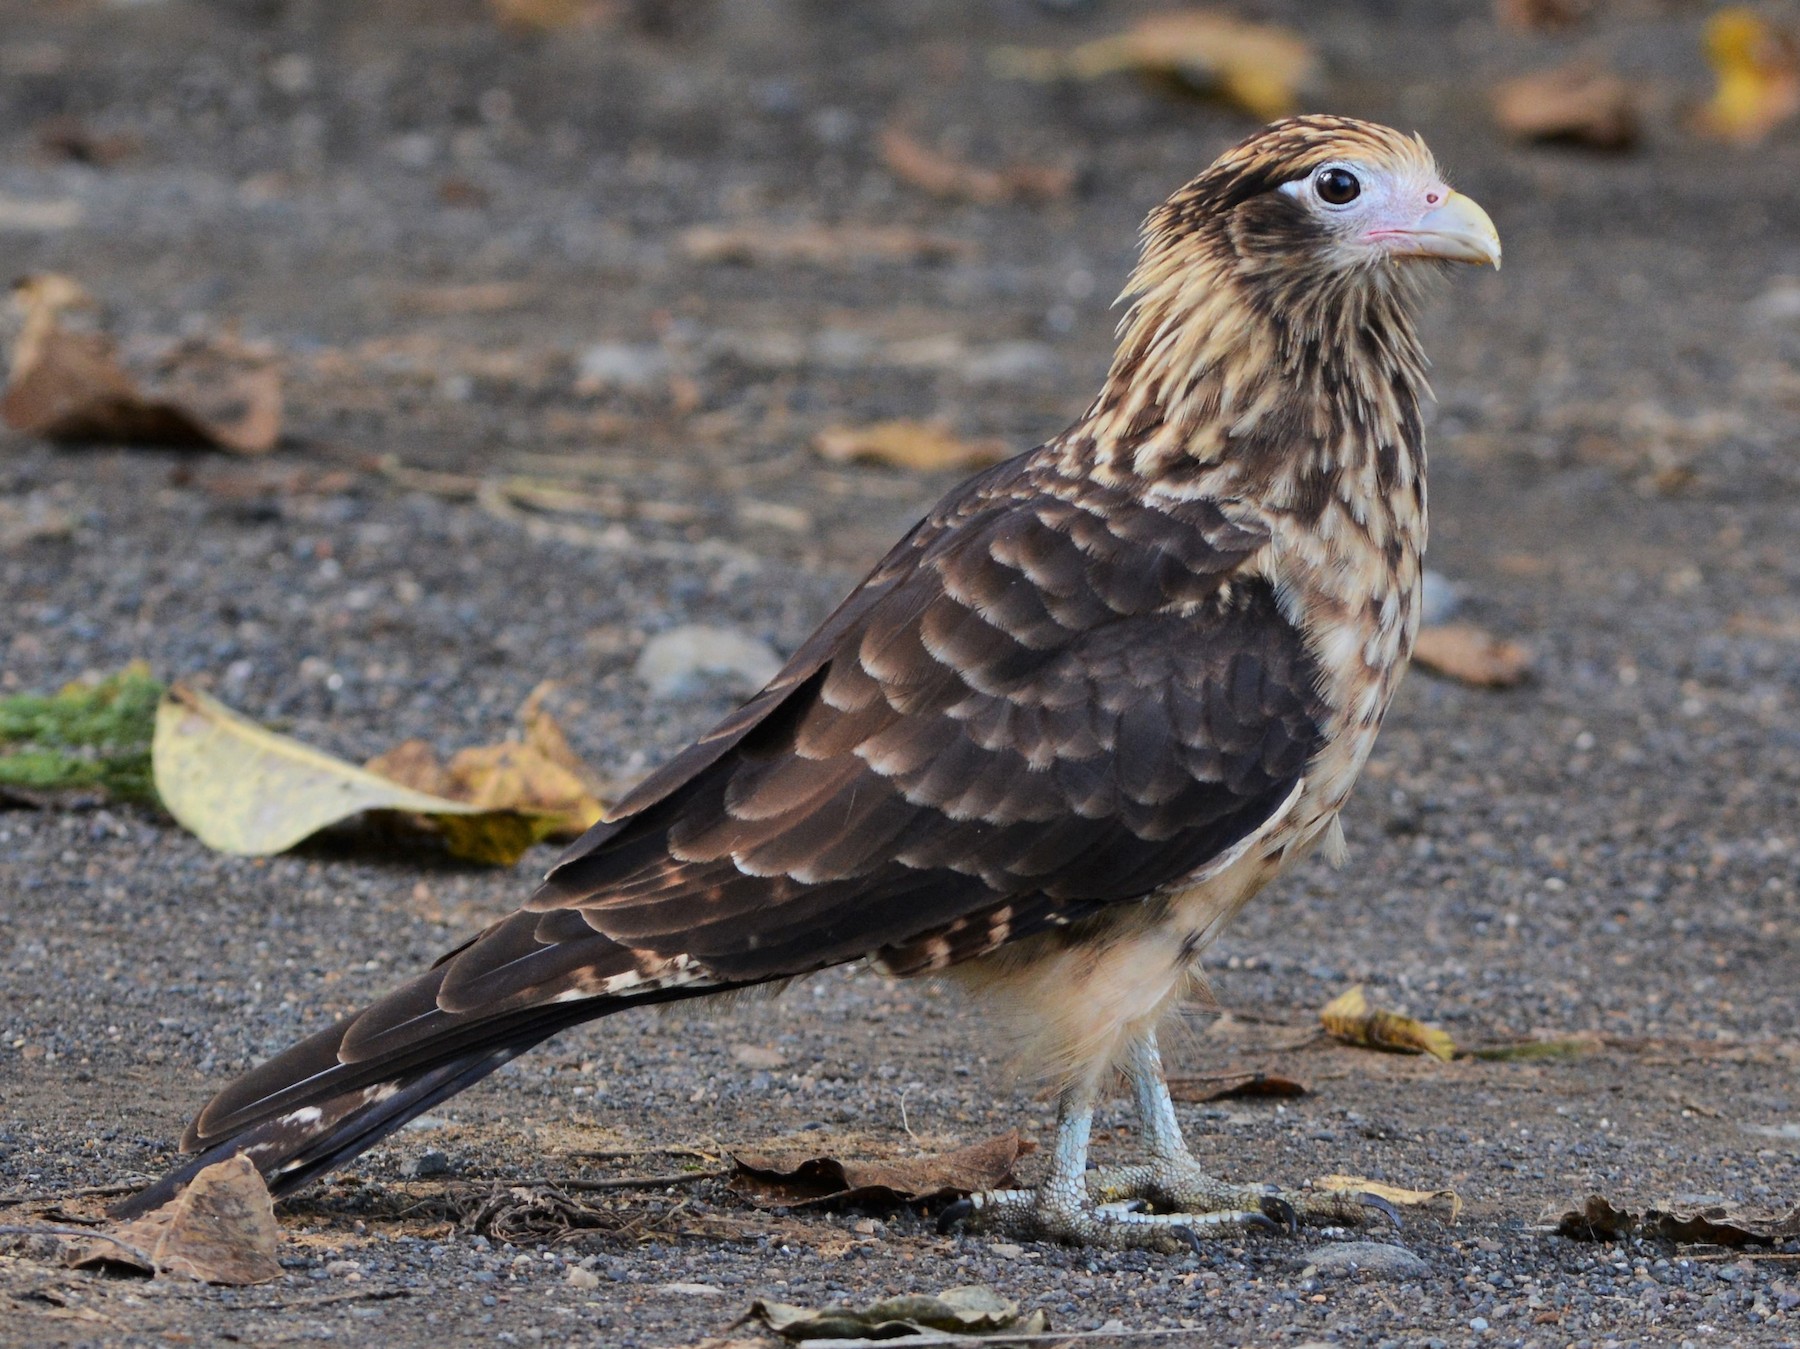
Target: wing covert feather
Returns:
[1050, 696]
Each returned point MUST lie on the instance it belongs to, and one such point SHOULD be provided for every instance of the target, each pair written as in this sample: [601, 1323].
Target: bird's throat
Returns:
[1278, 389]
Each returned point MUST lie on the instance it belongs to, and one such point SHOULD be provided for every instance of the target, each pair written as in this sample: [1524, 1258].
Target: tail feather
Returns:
[338, 1093]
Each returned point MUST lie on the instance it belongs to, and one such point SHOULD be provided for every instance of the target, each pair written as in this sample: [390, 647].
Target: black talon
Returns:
[1263, 1222]
[1188, 1235]
[1381, 1206]
[1281, 1214]
[954, 1214]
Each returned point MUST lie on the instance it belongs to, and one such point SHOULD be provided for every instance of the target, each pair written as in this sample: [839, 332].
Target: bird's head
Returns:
[1273, 301]
[1322, 199]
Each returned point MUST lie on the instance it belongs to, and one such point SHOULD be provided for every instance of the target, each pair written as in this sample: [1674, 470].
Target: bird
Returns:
[1100, 696]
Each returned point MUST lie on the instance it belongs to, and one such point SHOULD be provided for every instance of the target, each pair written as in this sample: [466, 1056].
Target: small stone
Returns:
[620, 365]
[582, 1278]
[758, 1056]
[1374, 1258]
[1006, 1250]
[428, 1164]
[691, 1289]
[1479, 1324]
[673, 663]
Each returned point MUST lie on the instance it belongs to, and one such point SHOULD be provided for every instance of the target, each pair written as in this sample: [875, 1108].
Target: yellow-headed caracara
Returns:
[1103, 694]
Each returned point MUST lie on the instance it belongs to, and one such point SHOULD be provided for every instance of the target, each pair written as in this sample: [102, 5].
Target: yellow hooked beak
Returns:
[1456, 229]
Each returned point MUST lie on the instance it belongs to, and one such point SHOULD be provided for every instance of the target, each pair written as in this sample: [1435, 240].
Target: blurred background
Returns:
[379, 362]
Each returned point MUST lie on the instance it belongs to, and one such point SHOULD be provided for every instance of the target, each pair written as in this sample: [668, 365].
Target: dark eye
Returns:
[1337, 187]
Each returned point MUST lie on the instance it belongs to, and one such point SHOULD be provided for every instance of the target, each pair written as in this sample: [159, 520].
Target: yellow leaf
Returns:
[1757, 72]
[241, 788]
[1394, 1194]
[925, 446]
[1350, 1018]
[1259, 68]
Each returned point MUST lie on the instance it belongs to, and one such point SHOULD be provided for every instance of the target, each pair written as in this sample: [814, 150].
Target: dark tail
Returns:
[333, 1096]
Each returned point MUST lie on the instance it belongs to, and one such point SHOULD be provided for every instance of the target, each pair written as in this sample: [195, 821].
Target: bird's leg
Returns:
[1065, 1207]
[1172, 1181]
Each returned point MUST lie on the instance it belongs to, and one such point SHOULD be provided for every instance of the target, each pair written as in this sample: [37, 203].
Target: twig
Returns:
[85, 1192]
[367, 1295]
[619, 1154]
[629, 1182]
[20, 1230]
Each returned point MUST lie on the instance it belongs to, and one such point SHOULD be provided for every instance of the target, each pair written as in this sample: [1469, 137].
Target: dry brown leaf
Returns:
[414, 764]
[1578, 104]
[818, 245]
[220, 1229]
[1350, 1018]
[69, 138]
[1235, 1086]
[1598, 1219]
[1473, 655]
[1541, 16]
[796, 1180]
[1756, 69]
[940, 175]
[1394, 1194]
[1262, 69]
[925, 446]
[476, 297]
[544, 16]
[69, 386]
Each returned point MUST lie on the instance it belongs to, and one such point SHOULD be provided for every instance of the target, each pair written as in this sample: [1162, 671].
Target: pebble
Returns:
[1374, 1258]
[620, 365]
[427, 1164]
[673, 663]
[582, 1278]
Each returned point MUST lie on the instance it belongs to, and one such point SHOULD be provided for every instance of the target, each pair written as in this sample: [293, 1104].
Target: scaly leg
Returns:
[1173, 1180]
[1063, 1209]
[1106, 1208]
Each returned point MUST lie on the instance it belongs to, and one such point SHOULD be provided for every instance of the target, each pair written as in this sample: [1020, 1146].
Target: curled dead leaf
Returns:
[1464, 652]
[220, 1229]
[818, 245]
[1756, 73]
[1541, 16]
[924, 446]
[69, 386]
[1350, 1018]
[546, 16]
[1394, 1194]
[940, 175]
[1721, 1224]
[1259, 68]
[1578, 104]
[795, 1180]
[956, 1311]
[1235, 1086]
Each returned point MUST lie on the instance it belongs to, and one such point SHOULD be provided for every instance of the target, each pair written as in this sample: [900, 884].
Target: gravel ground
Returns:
[465, 247]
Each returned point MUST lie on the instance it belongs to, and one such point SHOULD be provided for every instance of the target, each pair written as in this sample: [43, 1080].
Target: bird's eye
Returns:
[1336, 187]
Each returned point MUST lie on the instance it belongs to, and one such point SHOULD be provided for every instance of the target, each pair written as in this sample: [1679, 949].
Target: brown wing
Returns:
[1050, 697]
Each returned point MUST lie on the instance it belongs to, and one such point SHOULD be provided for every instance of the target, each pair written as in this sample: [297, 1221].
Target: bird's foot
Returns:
[1181, 1187]
[1083, 1220]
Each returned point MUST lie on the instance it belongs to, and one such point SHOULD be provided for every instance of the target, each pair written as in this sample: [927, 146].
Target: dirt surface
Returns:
[467, 248]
